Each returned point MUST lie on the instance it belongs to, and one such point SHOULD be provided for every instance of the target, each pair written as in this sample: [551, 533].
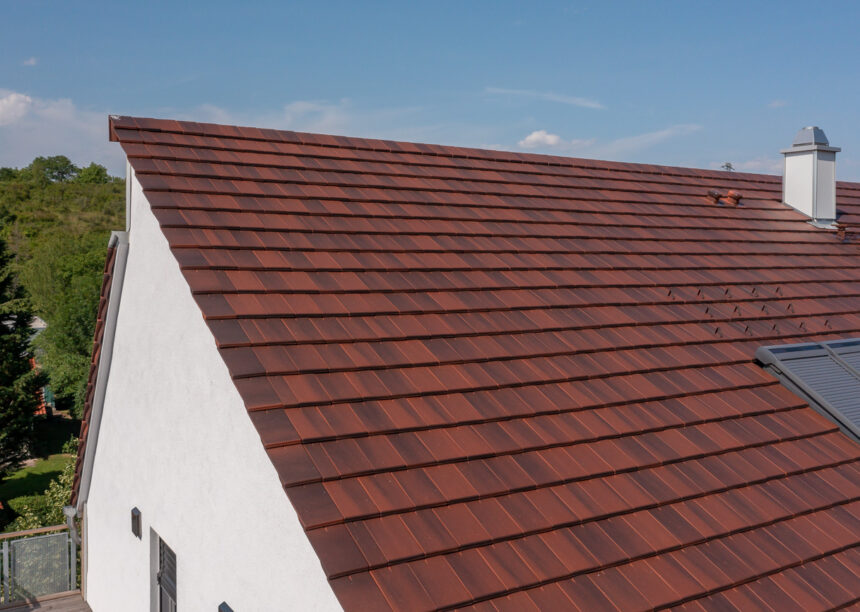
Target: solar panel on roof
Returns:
[825, 373]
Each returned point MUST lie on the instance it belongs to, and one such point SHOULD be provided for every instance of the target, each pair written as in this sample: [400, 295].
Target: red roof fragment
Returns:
[489, 377]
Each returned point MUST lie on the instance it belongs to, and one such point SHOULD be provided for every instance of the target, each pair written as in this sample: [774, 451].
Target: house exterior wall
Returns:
[176, 442]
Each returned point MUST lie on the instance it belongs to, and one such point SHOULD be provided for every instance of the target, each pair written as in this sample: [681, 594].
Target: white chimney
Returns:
[809, 178]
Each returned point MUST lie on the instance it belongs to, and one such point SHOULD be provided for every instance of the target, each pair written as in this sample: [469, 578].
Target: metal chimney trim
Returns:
[809, 176]
[810, 138]
[811, 134]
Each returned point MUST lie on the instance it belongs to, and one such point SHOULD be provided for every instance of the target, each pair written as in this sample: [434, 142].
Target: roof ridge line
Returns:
[367, 144]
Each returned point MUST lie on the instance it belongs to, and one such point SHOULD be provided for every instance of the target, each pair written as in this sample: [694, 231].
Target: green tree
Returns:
[94, 173]
[64, 276]
[55, 169]
[19, 383]
[58, 228]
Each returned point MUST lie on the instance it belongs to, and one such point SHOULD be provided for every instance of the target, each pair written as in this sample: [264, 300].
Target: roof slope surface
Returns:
[516, 381]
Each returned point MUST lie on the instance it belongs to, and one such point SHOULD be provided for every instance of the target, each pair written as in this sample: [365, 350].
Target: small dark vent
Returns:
[826, 374]
[135, 523]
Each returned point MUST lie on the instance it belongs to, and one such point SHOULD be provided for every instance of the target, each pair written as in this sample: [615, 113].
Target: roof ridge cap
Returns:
[193, 128]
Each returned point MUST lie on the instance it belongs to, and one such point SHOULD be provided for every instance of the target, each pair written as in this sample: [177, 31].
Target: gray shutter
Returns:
[848, 351]
[166, 577]
[826, 374]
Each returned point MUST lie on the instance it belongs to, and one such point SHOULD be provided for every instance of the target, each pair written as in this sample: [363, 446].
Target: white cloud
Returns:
[317, 116]
[209, 113]
[580, 144]
[547, 96]
[304, 115]
[540, 138]
[30, 127]
[30, 61]
[344, 117]
[13, 107]
[777, 104]
[592, 147]
[320, 116]
[629, 144]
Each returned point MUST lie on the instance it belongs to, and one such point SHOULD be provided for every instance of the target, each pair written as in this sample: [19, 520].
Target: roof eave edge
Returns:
[111, 131]
[118, 240]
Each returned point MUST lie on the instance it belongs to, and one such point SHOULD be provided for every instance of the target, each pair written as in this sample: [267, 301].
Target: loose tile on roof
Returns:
[495, 380]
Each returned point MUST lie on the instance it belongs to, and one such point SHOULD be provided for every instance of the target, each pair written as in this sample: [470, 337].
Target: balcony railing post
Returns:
[73, 560]
[7, 596]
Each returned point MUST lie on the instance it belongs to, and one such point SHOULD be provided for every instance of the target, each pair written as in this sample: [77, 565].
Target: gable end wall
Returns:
[176, 442]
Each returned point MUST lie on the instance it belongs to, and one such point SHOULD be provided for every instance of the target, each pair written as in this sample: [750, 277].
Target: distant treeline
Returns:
[56, 219]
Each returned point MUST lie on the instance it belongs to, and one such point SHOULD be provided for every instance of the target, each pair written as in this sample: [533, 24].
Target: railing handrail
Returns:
[28, 532]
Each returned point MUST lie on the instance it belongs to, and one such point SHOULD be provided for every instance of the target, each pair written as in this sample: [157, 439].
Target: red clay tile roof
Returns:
[516, 381]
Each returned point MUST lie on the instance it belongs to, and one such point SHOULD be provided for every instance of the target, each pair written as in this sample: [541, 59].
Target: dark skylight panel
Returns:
[827, 374]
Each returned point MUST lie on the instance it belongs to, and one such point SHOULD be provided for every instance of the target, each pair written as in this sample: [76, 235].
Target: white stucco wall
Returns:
[177, 443]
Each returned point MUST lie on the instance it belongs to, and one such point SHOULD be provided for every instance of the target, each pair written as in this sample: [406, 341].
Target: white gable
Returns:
[176, 442]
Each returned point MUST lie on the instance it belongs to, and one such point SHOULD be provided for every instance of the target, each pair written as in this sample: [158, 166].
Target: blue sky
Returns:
[681, 83]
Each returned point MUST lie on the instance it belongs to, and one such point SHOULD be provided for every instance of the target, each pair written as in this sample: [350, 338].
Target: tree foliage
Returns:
[47, 509]
[19, 383]
[93, 174]
[57, 218]
[55, 169]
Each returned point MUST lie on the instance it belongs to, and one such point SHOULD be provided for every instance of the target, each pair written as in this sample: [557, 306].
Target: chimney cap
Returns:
[810, 138]
[810, 135]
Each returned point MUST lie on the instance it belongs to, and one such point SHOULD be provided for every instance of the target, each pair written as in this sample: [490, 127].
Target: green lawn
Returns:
[33, 480]
[28, 484]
